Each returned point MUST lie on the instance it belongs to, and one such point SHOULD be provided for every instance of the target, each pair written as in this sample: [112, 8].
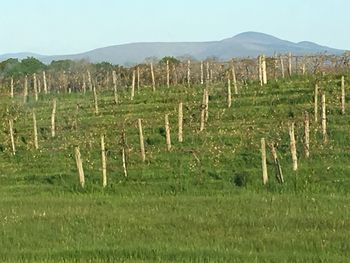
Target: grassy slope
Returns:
[183, 205]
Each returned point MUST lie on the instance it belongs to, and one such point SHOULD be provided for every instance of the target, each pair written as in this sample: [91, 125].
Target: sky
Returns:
[54, 27]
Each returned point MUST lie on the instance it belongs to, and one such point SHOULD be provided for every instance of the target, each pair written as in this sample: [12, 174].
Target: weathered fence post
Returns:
[167, 74]
[11, 91]
[133, 85]
[12, 137]
[264, 73]
[89, 80]
[290, 64]
[142, 143]
[36, 143]
[229, 99]
[282, 66]
[234, 78]
[124, 153]
[44, 82]
[293, 148]
[35, 87]
[279, 174]
[324, 120]
[25, 93]
[316, 103]
[138, 79]
[260, 70]
[114, 78]
[208, 73]
[189, 73]
[342, 95]
[153, 78]
[180, 122]
[104, 161]
[202, 73]
[79, 166]
[167, 132]
[53, 116]
[263, 161]
[95, 100]
[307, 134]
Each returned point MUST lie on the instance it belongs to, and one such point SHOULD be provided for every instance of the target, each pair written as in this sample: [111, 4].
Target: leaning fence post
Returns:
[316, 103]
[12, 137]
[79, 166]
[142, 143]
[279, 174]
[153, 78]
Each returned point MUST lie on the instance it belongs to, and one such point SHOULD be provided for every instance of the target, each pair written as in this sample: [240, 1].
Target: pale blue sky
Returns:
[72, 26]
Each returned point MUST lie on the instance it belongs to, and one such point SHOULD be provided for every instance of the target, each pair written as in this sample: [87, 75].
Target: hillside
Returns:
[242, 45]
[202, 201]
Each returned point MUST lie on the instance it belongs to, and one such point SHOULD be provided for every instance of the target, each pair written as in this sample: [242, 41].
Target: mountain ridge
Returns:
[245, 44]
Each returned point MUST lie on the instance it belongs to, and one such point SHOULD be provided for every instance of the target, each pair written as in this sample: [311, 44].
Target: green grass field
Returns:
[201, 202]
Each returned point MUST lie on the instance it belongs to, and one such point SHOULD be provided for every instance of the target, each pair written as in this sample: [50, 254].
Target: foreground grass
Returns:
[201, 202]
[231, 226]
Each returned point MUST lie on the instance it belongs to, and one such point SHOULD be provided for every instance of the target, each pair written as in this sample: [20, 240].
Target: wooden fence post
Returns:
[44, 82]
[342, 95]
[208, 73]
[53, 116]
[290, 64]
[324, 120]
[279, 174]
[189, 73]
[167, 132]
[35, 87]
[263, 162]
[202, 73]
[36, 143]
[153, 78]
[79, 167]
[95, 99]
[133, 85]
[138, 79]
[25, 93]
[89, 80]
[316, 104]
[104, 161]
[167, 74]
[180, 122]
[282, 66]
[260, 70]
[307, 134]
[124, 153]
[142, 143]
[264, 73]
[114, 77]
[293, 148]
[203, 106]
[12, 137]
[229, 99]
[234, 78]
[11, 91]
[206, 104]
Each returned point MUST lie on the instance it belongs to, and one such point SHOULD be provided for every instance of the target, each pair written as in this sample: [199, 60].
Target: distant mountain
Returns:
[248, 44]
